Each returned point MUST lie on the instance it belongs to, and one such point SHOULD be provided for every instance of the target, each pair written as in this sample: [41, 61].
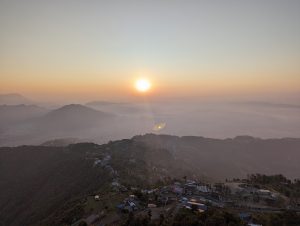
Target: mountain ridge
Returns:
[14, 99]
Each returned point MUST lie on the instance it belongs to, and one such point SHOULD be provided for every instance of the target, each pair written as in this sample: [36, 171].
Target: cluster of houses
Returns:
[248, 192]
[129, 204]
[193, 204]
[195, 196]
[189, 194]
[104, 162]
[183, 193]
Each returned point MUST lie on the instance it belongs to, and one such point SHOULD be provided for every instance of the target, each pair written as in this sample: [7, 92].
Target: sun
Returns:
[142, 85]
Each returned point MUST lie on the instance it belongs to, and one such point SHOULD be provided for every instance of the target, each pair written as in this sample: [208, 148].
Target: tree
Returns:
[82, 223]
[149, 214]
[161, 219]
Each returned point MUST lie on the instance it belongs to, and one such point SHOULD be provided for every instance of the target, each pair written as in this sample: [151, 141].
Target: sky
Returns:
[88, 50]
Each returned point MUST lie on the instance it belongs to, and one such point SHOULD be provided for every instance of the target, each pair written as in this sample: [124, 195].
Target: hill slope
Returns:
[38, 126]
[44, 185]
[38, 181]
[220, 159]
[13, 114]
[74, 116]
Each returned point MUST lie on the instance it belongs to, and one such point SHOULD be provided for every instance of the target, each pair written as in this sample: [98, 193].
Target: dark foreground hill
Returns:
[37, 181]
[45, 185]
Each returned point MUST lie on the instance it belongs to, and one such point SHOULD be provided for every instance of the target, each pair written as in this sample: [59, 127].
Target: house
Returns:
[245, 217]
[195, 205]
[149, 191]
[115, 184]
[97, 198]
[177, 189]
[128, 205]
[264, 192]
[184, 200]
[151, 205]
[203, 188]
[132, 205]
[134, 189]
[132, 197]
[107, 158]
[191, 182]
[97, 161]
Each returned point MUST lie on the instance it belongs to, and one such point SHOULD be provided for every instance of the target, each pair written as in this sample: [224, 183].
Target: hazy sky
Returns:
[96, 49]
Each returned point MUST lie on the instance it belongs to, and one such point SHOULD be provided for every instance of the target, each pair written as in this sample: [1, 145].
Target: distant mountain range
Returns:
[29, 124]
[14, 99]
[74, 116]
[101, 121]
[117, 108]
[33, 125]
[62, 142]
[12, 114]
[268, 104]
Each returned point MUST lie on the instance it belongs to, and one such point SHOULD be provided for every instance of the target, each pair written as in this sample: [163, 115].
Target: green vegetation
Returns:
[287, 218]
[185, 217]
[279, 183]
[56, 185]
[46, 185]
[209, 218]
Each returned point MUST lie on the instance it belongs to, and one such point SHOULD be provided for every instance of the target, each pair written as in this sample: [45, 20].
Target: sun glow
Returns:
[142, 85]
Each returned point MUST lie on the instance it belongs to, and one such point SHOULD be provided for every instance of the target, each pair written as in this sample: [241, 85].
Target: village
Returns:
[163, 203]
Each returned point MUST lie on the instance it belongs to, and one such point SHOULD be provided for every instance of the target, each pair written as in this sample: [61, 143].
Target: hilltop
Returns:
[33, 176]
[14, 99]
